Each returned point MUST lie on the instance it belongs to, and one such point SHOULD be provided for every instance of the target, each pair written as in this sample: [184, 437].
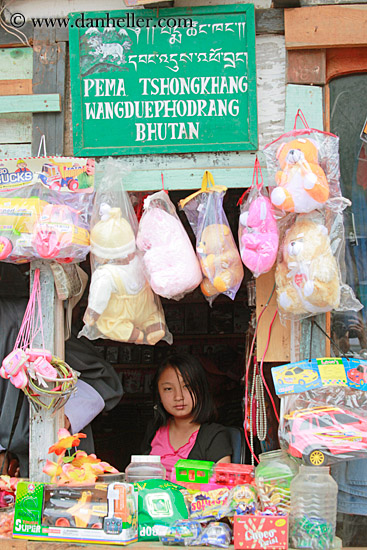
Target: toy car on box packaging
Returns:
[318, 434]
[323, 406]
[101, 513]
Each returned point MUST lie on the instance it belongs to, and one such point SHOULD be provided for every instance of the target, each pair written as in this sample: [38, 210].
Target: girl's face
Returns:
[174, 393]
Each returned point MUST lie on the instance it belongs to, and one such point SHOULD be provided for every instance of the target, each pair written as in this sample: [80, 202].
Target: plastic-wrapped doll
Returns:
[121, 305]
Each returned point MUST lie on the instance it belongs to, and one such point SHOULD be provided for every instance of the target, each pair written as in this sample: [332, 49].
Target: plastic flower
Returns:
[66, 441]
[76, 469]
[52, 469]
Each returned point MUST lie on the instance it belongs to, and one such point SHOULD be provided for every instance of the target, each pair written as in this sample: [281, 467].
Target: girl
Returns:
[184, 411]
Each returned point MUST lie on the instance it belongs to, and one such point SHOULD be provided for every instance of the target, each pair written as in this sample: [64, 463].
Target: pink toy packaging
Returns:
[304, 167]
[258, 233]
[45, 207]
[216, 249]
[171, 264]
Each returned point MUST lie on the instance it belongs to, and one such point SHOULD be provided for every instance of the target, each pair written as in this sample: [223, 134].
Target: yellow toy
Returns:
[301, 182]
[219, 259]
[121, 304]
[307, 279]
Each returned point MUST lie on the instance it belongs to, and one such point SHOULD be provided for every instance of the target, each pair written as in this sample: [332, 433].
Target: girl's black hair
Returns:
[193, 375]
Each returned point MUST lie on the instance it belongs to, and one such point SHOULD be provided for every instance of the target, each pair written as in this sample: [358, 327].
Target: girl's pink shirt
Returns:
[162, 447]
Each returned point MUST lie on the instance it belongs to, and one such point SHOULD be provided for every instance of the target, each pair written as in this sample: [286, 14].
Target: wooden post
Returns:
[49, 58]
[43, 425]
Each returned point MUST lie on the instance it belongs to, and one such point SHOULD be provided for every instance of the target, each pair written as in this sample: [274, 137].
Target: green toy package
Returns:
[160, 503]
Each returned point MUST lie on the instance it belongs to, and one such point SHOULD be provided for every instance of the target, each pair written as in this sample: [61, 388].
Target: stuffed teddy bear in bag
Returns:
[170, 260]
[307, 279]
[301, 183]
[259, 236]
[121, 303]
[220, 261]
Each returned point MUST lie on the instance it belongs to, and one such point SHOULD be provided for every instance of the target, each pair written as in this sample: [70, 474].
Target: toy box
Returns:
[101, 513]
[260, 532]
[318, 373]
[205, 475]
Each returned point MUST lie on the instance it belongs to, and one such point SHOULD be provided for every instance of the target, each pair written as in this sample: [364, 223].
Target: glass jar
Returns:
[312, 517]
[144, 467]
[273, 476]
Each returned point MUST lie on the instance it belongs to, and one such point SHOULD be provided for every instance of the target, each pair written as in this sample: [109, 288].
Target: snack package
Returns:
[241, 500]
[258, 233]
[121, 304]
[308, 274]
[160, 504]
[182, 532]
[304, 167]
[217, 534]
[206, 505]
[215, 246]
[324, 425]
[45, 207]
[169, 259]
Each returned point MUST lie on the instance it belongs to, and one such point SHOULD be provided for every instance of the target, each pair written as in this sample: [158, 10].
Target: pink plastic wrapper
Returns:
[303, 165]
[258, 233]
[171, 264]
[215, 246]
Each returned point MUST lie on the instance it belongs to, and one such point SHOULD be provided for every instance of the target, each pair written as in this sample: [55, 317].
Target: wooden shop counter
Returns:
[13, 544]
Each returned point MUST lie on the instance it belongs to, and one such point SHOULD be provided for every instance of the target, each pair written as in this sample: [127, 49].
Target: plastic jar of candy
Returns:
[312, 517]
[144, 467]
[273, 477]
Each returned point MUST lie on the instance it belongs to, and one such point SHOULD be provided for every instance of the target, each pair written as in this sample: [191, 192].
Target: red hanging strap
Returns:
[303, 120]
[256, 174]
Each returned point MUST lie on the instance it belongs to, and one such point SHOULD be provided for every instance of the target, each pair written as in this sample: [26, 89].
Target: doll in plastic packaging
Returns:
[121, 304]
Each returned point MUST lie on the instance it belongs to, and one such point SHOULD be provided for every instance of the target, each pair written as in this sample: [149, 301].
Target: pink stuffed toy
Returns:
[169, 258]
[258, 236]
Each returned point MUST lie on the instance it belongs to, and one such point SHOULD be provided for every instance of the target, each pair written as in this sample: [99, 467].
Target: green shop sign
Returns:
[168, 81]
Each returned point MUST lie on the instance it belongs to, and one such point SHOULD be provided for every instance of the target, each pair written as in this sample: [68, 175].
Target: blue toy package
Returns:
[215, 534]
[182, 532]
[319, 373]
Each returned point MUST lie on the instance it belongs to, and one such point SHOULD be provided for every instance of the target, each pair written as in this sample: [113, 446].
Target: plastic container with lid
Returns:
[312, 517]
[144, 467]
[273, 477]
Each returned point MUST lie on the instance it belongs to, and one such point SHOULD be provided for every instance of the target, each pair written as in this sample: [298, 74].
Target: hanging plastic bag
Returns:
[215, 246]
[324, 425]
[45, 207]
[169, 258]
[121, 304]
[308, 276]
[304, 166]
[47, 381]
[258, 233]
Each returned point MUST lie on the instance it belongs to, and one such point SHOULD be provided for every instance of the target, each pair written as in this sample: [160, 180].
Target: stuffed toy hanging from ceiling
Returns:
[303, 165]
[121, 304]
[215, 246]
[258, 233]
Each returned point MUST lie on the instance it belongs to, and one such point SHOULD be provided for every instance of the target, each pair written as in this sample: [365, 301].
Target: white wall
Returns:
[45, 8]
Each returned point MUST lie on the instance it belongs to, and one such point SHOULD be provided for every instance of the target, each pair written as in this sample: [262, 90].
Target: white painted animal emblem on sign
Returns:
[111, 49]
